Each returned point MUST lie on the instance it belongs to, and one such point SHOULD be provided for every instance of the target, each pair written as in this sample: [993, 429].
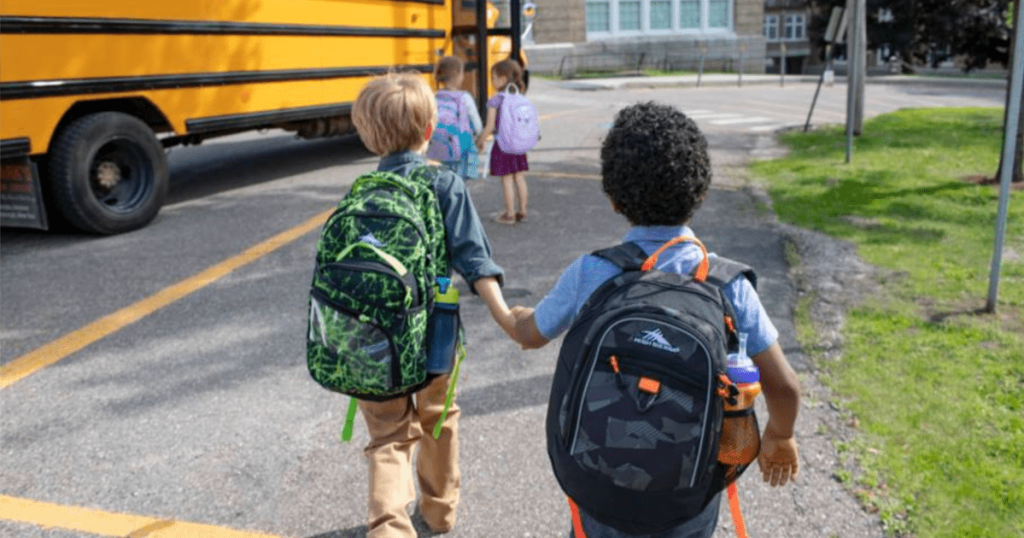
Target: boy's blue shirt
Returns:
[556, 311]
[467, 242]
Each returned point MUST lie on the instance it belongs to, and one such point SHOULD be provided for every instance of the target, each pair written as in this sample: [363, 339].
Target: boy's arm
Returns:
[524, 330]
[488, 289]
[778, 459]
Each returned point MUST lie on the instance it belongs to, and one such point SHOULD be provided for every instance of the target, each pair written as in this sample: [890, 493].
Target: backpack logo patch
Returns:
[656, 339]
[371, 240]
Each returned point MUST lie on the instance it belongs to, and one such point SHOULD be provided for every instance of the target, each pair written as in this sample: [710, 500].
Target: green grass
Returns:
[937, 387]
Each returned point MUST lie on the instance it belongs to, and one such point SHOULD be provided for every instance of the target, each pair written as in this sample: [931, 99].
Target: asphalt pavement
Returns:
[202, 411]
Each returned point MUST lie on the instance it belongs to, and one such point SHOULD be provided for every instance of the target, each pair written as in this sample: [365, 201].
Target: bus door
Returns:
[473, 29]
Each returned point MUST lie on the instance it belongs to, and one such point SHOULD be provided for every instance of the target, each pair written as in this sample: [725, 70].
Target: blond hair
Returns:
[394, 112]
[447, 69]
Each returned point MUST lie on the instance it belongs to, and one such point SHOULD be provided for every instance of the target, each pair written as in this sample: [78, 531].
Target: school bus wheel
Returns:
[107, 173]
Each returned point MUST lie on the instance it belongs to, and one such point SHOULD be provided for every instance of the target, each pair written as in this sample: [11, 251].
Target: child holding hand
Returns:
[511, 167]
[656, 172]
[466, 122]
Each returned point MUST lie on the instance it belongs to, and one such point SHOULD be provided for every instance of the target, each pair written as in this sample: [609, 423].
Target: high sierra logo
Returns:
[656, 339]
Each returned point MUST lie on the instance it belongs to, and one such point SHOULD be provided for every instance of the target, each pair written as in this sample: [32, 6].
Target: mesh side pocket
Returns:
[741, 440]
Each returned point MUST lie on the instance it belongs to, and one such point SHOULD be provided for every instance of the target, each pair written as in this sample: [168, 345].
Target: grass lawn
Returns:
[936, 387]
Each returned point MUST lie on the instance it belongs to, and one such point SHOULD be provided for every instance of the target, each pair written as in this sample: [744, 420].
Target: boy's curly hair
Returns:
[655, 165]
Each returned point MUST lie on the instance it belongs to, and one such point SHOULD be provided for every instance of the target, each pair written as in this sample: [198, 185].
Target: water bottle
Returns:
[741, 440]
[443, 328]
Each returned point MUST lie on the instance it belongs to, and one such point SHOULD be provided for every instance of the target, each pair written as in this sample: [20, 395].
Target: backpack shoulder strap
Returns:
[627, 256]
[723, 270]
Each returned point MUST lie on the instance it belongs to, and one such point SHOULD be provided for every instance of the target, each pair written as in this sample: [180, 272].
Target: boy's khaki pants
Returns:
[395, 427]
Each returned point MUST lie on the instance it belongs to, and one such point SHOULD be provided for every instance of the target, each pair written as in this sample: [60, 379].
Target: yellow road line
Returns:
[60, 348]
[102, 523]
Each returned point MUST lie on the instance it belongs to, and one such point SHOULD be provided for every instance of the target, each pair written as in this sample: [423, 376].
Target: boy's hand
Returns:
[778, 459]
[525, 332]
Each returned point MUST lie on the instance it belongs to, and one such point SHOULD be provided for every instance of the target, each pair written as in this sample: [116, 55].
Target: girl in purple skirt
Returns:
[511, 168]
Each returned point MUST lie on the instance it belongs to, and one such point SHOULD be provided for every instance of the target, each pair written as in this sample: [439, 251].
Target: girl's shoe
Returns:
[520, 217]
[505, 218]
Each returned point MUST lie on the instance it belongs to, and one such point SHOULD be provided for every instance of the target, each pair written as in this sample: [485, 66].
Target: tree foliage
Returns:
[975, 32]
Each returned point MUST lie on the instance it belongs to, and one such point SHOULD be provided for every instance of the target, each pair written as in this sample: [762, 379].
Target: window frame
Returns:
[772, 22]
[801, 26]
[614, 21]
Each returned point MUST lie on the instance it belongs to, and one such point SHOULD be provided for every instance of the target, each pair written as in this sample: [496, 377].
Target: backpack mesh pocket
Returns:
[346, 351]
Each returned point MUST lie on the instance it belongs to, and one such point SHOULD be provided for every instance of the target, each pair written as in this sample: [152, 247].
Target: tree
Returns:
[976, 32]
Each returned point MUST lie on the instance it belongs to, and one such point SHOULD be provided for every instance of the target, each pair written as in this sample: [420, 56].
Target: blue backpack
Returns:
[452, 136]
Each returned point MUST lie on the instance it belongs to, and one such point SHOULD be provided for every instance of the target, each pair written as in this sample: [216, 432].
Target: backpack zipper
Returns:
[376, 267]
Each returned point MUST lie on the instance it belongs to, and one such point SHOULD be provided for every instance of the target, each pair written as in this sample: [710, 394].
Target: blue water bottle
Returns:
[443, 328]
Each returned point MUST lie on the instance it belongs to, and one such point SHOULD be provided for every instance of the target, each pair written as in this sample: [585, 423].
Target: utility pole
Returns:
[856, 67]
[1013, 113]
[851, 75]
[862, 66]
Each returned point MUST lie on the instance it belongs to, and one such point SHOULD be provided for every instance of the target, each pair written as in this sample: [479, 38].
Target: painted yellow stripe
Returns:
[102, 523]
[57, 350]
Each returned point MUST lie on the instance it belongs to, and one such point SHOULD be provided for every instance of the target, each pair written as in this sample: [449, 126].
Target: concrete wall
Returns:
[670, 53]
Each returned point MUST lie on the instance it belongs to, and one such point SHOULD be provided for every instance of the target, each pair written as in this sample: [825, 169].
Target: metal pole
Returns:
[743, 47]
[700, 71]
[515, 13]
[852, 46]
[1006, 173]
[482, 76]
[782, 66]
[862, 66]
[828, 54]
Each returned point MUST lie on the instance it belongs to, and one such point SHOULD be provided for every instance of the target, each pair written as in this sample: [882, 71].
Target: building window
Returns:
[689, 14]
[598, 17]
[796, 28]
[661, 15]
[718, 13]
[612, 18]
[629, 15]
[771, 27]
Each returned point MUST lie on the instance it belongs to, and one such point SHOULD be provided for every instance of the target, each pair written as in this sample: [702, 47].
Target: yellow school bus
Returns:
[93, 93]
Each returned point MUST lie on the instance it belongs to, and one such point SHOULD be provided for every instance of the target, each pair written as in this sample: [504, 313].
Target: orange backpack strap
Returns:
[737, 516]
[577, 523]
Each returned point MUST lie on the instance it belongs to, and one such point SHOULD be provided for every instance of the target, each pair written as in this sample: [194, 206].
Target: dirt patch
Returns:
[991, 181]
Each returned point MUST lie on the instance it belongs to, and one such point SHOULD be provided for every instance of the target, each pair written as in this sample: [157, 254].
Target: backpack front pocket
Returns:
[347, 351]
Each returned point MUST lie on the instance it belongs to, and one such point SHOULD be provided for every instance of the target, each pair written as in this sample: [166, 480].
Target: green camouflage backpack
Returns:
[373, 287]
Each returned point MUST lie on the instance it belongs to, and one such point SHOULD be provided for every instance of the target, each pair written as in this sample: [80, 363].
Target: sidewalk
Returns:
[733, 79]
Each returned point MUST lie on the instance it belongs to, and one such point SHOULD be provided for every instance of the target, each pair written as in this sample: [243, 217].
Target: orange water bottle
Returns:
[741, 439]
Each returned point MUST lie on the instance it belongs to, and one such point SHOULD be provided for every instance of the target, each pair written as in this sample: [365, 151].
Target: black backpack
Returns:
[636, 404]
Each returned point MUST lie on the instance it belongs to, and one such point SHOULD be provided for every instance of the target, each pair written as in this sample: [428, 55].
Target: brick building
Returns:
[785, 30]
[570, 36]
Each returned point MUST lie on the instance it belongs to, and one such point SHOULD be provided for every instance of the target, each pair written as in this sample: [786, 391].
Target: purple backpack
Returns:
[453, 133]
[518, 130]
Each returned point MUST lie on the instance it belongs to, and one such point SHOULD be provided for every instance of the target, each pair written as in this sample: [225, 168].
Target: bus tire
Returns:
[107, 173]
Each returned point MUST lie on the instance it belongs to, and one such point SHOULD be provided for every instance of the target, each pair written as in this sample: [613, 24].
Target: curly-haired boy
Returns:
[656, 172]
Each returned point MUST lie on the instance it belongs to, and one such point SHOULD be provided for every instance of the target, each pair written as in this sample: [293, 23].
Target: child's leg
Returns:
[522, 191]
[508, 190]
[393, 433]
[437, 465]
